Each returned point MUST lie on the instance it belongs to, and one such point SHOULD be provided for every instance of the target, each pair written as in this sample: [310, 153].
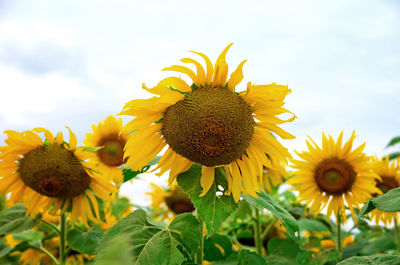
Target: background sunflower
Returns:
[107, 135]
[333, 176]
[51, 175]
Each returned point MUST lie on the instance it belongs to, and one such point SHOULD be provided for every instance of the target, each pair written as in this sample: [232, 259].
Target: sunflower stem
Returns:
[63, 238]
[199, 256]
[269, 227]
[397, 234]
[338, 234]
[55, 228]
[257, 232]
[47, 253]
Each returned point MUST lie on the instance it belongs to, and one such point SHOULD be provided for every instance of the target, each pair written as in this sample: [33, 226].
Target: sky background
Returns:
[76, 62]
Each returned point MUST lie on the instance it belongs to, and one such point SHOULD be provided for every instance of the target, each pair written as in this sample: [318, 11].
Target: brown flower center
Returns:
[179, 202]
[210, 126]
[112, 153]
[386, 184]
[53, 171]
[334, 176]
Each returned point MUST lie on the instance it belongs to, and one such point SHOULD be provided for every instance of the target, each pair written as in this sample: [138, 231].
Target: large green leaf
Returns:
[266, 202]
[14, 220]
[381, 244]
[86, 242]
[388, 202]
[189, 229]
[29, 235]
[312, 225]
[382, 259]
[147, 243]
[217, 247]
[212, 209]
[394, 155]
[245, 257]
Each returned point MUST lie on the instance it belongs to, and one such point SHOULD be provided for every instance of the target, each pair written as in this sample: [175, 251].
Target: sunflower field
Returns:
[234, 195]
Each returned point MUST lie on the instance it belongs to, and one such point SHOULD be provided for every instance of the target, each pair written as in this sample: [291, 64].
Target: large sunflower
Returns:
[333, 176]
[51, 175]
[390, 179]
[210, 124]
[108, 159]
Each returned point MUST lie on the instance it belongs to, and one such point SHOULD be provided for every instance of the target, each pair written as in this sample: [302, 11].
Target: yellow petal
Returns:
[209, 67]
[236, 77]
[201, 75]
[73, 141]
[49, 136]
[207, 179]
[221, 68]
[176, 83]
[184, 70]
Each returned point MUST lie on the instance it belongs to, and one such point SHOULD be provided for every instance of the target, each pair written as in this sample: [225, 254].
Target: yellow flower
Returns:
[210, 124]
[33, 257]
[169, 202]
[50, 175]
[329, 243]
[334, 175]
[108, 159]
[390, 179]
[10, 241]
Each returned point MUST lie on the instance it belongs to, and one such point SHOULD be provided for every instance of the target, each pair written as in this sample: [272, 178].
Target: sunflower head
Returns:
[169, 202]
[50, 174]
[209, 123]
[107, 136]
[334, 175]
[53, 171]
[389, 173]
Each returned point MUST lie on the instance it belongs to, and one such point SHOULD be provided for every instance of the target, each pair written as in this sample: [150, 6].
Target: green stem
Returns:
[257, 232]
[63, 238]
[199, 256]
[397, 234]
[338, 234]
[47, 253]
[269, 227]
[52, 226]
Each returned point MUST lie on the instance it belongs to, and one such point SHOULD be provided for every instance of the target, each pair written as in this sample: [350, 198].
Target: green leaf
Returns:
[381, 259]
[14, 220]
[266, 202]
[394, 155]
[92, 149]
[120, 205]
[283, 247]
[243, 211]
[217, 247]
[312, 225]
[381, 244]
[189, 229]
[29, 235]
[394, 141]
[86, 242]
[388, 202]
[147, 243]
[129, 174]
[212, 209]
[245, 257]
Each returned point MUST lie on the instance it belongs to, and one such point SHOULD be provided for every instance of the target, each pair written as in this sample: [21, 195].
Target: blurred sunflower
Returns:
[210, 124]
[334, 175]
[108, 159]
[390, 179]
[329, 243]
[51, 175]
[167, 203]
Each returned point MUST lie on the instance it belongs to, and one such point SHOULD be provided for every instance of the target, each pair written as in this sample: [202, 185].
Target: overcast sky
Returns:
[75, 62]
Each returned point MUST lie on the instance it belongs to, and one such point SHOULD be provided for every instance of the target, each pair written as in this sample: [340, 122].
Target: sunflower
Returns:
[210, 124]
[51, 175]
[334, 175]
[390, 179]
[168, 203]
[108, 159]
